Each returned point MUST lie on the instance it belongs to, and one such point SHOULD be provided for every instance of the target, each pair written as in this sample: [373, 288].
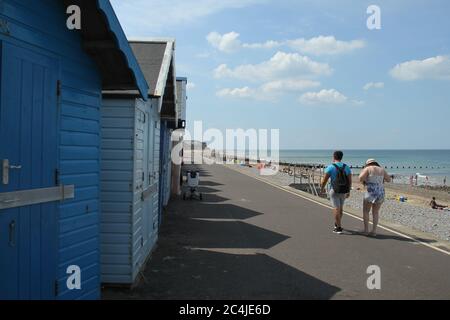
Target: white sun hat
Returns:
[370, 161]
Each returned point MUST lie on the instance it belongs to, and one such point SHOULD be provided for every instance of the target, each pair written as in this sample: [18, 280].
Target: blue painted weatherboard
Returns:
[40, 26]
[130, 159]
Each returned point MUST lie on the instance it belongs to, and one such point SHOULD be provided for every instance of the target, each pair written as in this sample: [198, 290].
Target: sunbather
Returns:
[434, 205]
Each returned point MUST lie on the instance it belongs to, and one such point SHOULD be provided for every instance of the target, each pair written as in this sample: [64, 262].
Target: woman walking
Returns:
[373, 178]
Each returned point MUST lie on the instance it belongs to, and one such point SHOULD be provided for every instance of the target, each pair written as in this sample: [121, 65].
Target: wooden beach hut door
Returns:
[144, 127]
[28, 159]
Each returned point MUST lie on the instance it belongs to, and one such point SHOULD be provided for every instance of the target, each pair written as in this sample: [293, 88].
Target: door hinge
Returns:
[57, 178]
[58, 88]
[56, 288]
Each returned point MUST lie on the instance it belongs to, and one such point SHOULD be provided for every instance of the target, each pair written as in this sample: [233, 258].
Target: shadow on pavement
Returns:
[210, 198]
[387, 237]
[205, 189]
[193, 167]
[205, 275]
[223, 211]
[210, 184]
[187, 264]
[239, 235]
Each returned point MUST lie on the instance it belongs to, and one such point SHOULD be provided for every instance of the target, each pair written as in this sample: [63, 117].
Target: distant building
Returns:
[195, 145]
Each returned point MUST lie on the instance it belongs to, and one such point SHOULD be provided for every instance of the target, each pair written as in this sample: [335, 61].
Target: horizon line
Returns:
[343, 149]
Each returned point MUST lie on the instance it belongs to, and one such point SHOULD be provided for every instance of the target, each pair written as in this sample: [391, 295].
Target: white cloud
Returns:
[322, 45]
[330, 96]
[281, 65]
[191, 85]
[325, 45]
[223, 71]
[374, 85]
[269, 91]
[228, 42]
[140, 17]
[291, 85]
[245, 92]
[272, 92]
[437, 68]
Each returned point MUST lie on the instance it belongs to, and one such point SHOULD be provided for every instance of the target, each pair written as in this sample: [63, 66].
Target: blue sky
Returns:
[310, 68]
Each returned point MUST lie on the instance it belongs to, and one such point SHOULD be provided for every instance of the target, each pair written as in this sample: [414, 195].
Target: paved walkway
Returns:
[250, 240]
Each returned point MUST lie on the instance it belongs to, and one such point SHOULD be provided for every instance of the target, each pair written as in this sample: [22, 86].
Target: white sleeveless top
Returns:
[375, 184]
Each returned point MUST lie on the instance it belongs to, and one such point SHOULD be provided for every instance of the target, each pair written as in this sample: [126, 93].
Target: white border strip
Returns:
[346, 213]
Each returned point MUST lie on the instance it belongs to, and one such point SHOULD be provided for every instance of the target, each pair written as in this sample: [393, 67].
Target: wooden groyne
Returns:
[314, 166]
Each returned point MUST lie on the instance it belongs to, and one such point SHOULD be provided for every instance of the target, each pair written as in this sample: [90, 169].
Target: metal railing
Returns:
[306, 175]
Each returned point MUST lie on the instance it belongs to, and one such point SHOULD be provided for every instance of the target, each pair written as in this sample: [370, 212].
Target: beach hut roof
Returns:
[104, 40]
[156, 57]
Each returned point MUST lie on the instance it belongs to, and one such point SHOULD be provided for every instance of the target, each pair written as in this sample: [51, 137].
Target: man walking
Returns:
[341, 184]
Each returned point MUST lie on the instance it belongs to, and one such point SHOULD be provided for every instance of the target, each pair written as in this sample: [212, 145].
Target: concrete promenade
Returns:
[251, 240]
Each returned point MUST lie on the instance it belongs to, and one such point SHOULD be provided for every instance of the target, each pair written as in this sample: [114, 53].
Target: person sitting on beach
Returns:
[435, 206]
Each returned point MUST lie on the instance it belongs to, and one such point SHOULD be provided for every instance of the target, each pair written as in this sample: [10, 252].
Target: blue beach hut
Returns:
[50, 98]
[131, 163]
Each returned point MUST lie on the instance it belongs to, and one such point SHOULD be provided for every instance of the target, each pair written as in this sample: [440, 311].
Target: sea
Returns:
[431, 166]
[434, 164]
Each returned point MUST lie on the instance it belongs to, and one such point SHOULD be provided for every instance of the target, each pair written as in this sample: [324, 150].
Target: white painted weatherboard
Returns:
[130, 158]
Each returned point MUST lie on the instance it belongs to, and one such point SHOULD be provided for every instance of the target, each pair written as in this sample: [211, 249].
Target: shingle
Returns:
[150, 56]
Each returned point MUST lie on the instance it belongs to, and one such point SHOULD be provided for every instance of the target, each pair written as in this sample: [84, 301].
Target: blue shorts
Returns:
[337, 199]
